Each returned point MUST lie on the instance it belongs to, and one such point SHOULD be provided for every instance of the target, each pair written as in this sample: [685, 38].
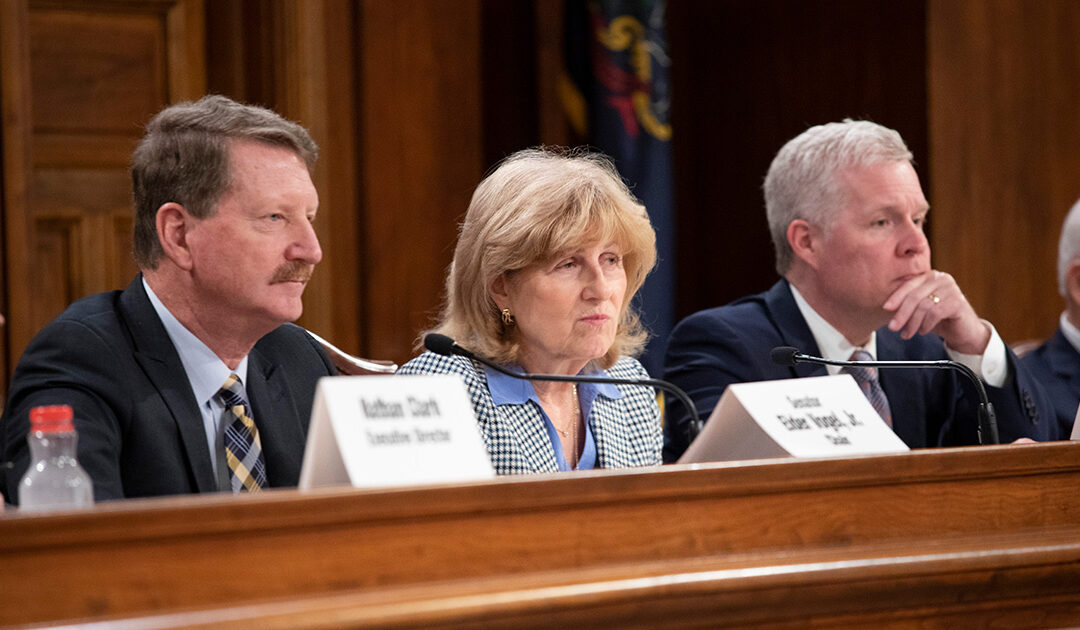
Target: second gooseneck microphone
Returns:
[988, 431]
[445, 346]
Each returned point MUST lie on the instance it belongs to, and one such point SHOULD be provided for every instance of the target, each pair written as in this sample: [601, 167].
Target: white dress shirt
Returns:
[1071, 333]
[992, 365]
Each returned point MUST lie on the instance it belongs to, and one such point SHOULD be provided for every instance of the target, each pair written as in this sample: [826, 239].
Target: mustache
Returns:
[293, 271]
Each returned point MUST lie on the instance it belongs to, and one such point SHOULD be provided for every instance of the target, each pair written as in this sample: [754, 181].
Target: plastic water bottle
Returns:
[54, 481]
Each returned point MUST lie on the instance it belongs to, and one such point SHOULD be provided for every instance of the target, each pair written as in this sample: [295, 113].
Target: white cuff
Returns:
[992, 365]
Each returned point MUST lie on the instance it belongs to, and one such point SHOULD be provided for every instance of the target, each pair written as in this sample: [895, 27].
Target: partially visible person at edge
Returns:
[190, 379]
[551, 251]
[847, 214]
[1056, 363]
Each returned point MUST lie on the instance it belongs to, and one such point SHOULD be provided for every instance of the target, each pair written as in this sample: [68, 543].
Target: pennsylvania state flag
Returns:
[617, 96]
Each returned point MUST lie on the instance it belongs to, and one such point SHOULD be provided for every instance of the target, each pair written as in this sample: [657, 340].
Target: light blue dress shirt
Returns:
[507, 390]
[206, 373]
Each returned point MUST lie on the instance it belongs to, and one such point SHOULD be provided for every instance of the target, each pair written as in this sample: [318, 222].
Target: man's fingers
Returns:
[924, 317]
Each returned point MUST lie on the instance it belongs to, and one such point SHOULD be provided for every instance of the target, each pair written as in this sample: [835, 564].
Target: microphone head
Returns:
[784, 355]
[440, 344]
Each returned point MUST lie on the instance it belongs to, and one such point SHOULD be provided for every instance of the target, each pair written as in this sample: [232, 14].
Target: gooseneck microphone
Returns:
[445, 346]
[988, 431]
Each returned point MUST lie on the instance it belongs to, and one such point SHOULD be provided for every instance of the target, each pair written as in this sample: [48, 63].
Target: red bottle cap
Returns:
[52, 419]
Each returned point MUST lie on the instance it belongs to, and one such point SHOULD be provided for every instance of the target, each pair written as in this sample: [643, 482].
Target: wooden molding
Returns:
[697, 521]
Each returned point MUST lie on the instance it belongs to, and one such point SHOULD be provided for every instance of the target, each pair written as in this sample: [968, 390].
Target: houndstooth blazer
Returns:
[626, 430]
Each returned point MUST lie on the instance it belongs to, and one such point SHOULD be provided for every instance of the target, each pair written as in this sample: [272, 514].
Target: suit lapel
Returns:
[526, 427]
[613, 447]
[277, 418]
[159, 360]
[1063, 358]
[784, 313]
[532, 431]
[903, 389]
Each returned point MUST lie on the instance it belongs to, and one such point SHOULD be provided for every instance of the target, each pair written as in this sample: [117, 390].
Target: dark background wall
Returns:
[413, 100]
[747, 77]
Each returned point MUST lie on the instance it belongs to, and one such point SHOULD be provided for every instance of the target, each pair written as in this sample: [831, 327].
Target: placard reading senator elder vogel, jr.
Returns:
[801, 417]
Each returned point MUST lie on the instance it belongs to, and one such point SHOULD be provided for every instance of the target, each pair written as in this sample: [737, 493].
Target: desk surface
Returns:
[1001, 506]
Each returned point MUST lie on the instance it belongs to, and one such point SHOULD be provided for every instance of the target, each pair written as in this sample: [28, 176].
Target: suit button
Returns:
[1030, 407]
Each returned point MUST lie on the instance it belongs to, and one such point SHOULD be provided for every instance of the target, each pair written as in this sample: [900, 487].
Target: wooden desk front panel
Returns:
[142, 556]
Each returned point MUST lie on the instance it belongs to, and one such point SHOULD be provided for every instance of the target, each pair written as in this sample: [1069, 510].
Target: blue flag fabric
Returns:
[618, 98]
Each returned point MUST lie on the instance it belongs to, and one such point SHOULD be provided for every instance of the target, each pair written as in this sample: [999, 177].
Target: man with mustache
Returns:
[847, 216]
[191, 379]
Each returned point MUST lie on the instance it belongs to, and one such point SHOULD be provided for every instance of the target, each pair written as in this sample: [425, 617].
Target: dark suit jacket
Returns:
[731, 344]
[139, 428]
[1055, 365]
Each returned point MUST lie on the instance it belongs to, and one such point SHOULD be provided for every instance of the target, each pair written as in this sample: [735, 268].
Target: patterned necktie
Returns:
[243, 450]
[867, 379]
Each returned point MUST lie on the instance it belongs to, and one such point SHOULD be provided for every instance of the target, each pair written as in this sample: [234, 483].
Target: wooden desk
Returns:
[936, 536]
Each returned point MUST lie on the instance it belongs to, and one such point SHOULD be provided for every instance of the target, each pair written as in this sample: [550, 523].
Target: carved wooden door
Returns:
[79, 80]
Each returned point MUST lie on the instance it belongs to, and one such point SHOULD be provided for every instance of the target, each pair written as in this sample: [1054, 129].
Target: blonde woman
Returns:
[551, 251]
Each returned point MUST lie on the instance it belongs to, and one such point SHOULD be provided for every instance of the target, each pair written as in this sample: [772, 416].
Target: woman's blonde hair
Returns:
[534, 205]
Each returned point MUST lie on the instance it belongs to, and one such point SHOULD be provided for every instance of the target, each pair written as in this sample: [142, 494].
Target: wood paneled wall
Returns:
[298, 58]
[421, 155]
[412, 102]
[79, 80]
[1004, 88]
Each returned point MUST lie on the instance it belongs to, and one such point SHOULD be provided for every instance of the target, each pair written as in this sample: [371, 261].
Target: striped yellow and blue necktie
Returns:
[243, 450]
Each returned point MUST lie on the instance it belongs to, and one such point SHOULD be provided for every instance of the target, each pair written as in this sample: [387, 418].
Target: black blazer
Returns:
[732, 344]
[1056, 366]
[139, 427]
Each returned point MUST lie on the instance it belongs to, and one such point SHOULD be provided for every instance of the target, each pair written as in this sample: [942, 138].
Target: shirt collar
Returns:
[831, 343]
[1071, 333]
[507, 390]
[205, 371]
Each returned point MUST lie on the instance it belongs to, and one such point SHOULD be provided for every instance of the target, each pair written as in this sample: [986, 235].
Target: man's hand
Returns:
[934, 303]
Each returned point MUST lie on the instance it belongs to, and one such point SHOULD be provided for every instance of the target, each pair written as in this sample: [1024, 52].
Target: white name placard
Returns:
[820, 416]
[377, 431]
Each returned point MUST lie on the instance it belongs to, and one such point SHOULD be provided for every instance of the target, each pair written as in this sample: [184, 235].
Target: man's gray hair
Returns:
[803, 179]
[1068, 246]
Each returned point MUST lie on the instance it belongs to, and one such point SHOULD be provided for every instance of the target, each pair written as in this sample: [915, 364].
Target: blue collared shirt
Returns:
[506, 390]
[206, 373]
